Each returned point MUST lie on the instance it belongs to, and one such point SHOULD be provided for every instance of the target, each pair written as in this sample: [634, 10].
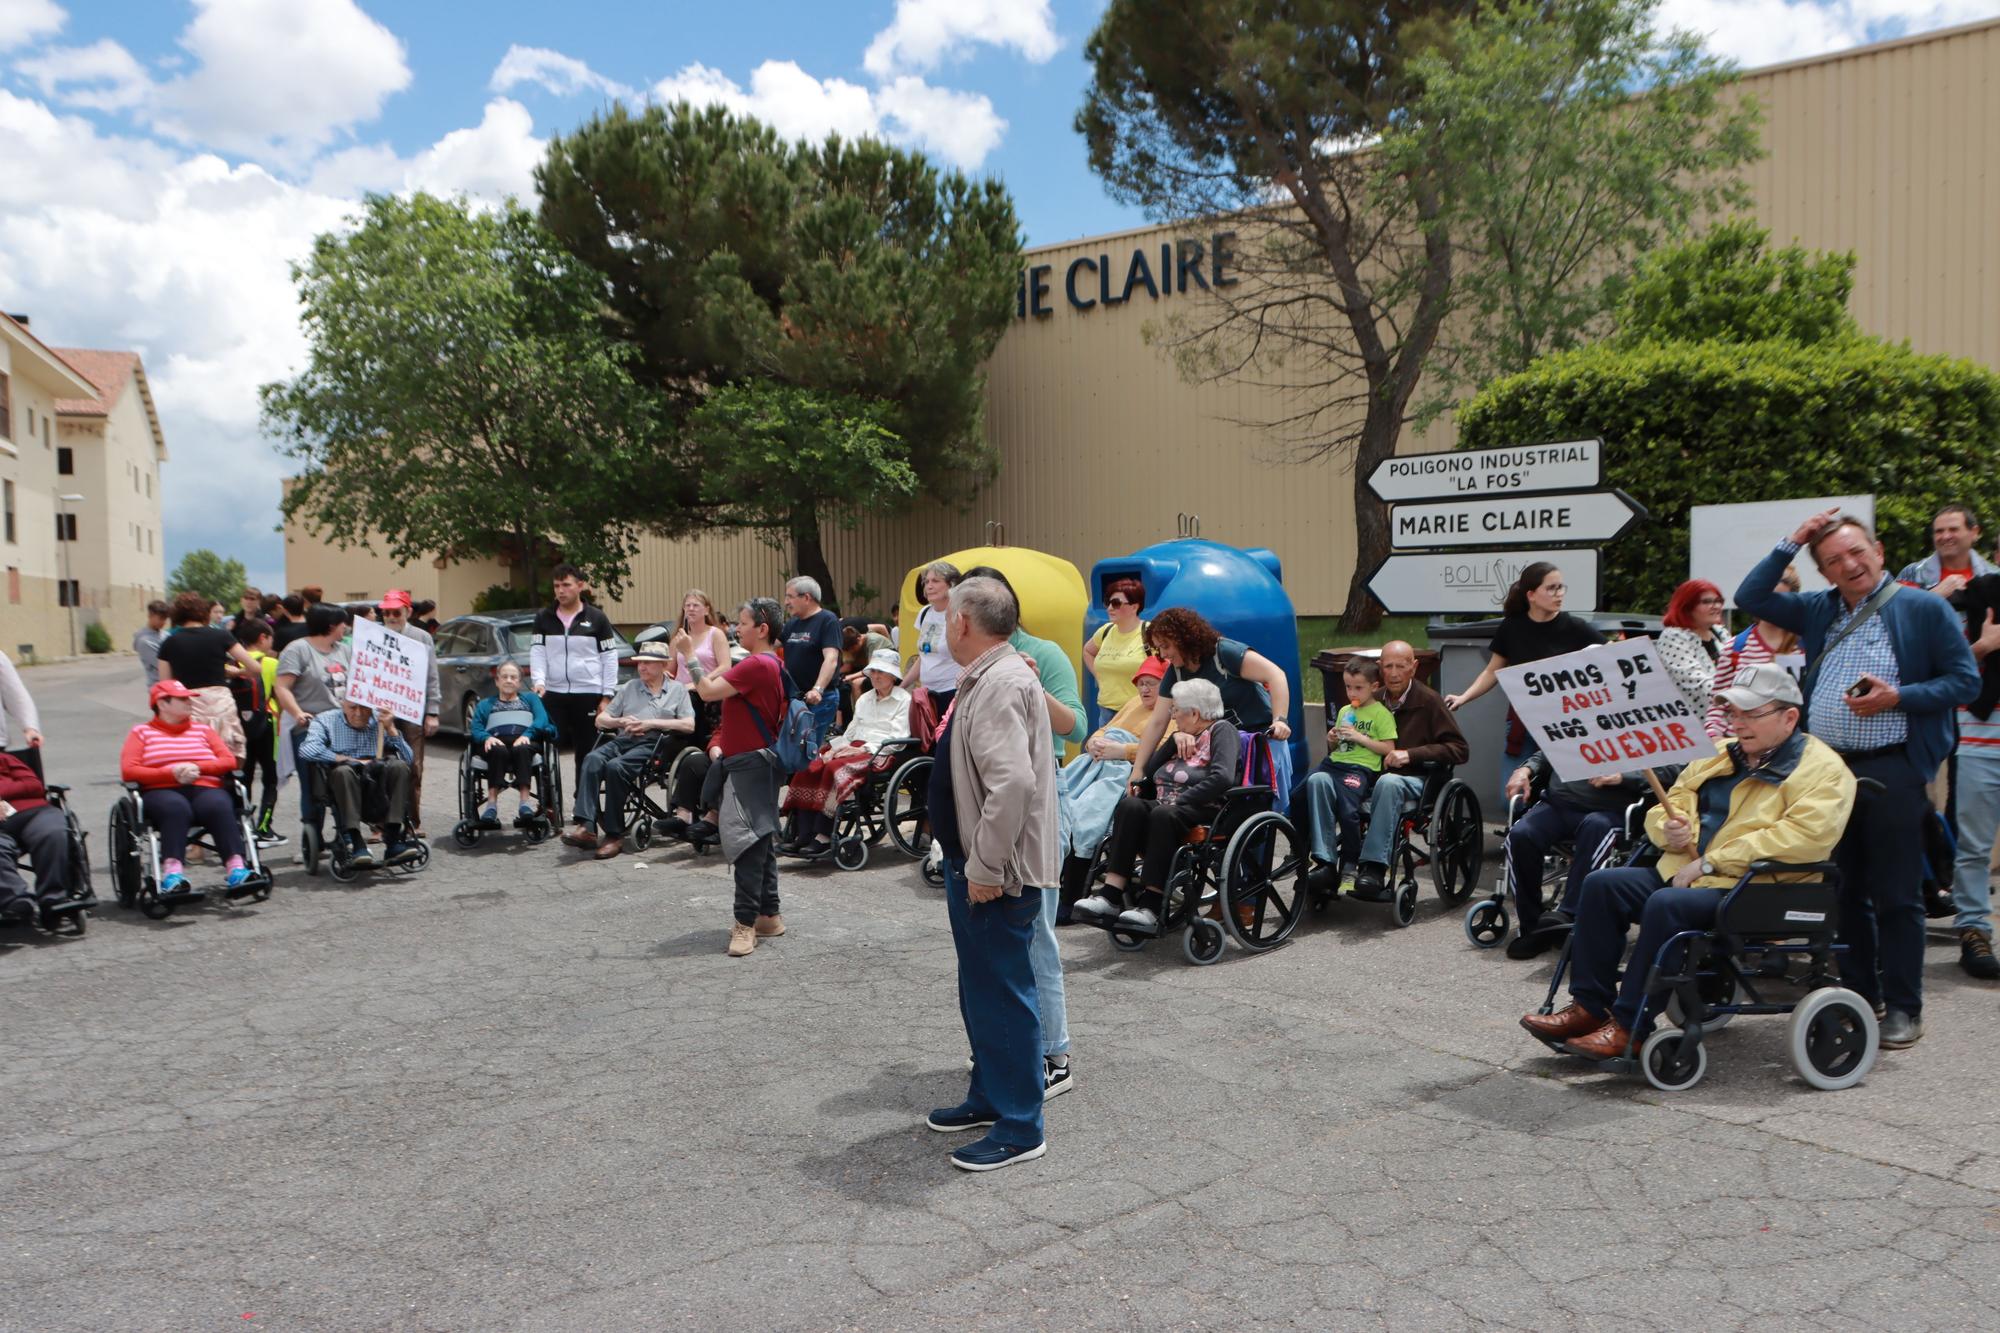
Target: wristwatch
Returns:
[1707, 867]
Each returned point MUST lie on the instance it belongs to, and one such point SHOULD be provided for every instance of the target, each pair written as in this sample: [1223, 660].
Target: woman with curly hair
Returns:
[1255, 694]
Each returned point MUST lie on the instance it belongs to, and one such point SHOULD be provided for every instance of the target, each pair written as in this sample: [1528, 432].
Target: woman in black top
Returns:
[198, 655]
[1533, 626]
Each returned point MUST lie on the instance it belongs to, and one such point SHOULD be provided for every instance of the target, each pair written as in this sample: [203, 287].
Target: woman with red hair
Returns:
[1689, 644]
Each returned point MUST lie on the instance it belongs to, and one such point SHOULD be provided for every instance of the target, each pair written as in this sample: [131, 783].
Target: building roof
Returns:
[52, 364]
[110, 372]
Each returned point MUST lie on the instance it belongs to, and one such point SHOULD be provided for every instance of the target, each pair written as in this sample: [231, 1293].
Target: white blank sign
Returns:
[1724, 541]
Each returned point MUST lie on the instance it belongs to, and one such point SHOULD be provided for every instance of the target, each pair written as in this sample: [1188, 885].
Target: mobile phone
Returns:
[1860, 688]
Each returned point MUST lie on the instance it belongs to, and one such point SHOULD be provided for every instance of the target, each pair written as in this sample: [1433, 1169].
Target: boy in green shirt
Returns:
[1363, 731]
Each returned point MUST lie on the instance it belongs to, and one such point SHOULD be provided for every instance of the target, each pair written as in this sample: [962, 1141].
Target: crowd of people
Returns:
[1834, 711]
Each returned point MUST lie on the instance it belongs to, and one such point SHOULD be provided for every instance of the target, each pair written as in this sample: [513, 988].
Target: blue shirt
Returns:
[1865, 652]
[330, 736]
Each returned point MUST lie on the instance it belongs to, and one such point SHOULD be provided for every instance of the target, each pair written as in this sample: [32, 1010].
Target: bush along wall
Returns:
[1687, 423]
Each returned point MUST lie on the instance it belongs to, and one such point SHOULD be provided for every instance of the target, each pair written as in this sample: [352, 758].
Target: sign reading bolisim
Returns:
[1090, 281]
[388, 671]
[1608, 709]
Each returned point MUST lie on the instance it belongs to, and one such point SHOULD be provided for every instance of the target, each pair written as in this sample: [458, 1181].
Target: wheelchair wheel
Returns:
[465, 833]
[1833, 1039]
[907, 808]
[1457, 842]
[1664, 1065]
[1202, 943]
[1717, 988]
[850, 853]
[1127, 942]
[126, 870]
[638, 822]
[1263, 881]
[1403, 910]
[1486, 924]
[311, 845]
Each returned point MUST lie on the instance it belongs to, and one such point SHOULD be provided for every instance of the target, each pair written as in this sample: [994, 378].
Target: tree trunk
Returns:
[1371, 517]
[809, 557]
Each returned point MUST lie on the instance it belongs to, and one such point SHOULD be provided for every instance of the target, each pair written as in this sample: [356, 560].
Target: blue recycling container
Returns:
[1240, 592]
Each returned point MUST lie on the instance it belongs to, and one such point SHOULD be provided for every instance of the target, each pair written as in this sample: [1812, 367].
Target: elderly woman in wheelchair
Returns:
[1187, 778]
[184, 774]
[1769, 809]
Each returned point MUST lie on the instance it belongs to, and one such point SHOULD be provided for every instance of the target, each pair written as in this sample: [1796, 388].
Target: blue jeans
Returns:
[1612, 901]
[997, 1003]
[1976, 792]
[1333, 796]
[1395, 795]
[1047, 958]
[1551, 820]
[825, 715]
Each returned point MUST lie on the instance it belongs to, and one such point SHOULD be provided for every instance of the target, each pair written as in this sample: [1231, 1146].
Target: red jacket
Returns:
[19, 787]
[152, 749]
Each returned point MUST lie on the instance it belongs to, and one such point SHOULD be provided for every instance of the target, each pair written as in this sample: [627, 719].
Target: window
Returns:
[31, 423]
[149, 485]
[7, 492]
[65, 527]
[66, 461]
[69, 592]
[6, 410]
[14, 584]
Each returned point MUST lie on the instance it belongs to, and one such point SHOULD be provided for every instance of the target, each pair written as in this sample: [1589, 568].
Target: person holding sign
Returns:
[1776, 794]
[1533, 626]
[395, 610]
[1884, 675]
[349, 741]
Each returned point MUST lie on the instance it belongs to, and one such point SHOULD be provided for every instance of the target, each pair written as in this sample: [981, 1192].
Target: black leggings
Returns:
[508, 765]
[173, 810]
[1159, 830]
[261, 761]
[576, 731]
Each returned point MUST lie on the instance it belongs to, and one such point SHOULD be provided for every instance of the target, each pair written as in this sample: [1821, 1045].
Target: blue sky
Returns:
[167, 160]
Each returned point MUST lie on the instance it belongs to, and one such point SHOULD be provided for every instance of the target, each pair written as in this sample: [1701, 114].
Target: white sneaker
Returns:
[1095, 906]
[1056, 1078]
[1139, 918]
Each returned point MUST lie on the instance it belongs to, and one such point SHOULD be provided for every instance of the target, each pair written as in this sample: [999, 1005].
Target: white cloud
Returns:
[562, 75]
[489, 161]
[1764, 32]
[102, 76]
[927, 33]
[279, 78]
[960, 126]
[25, 21]
[783, 96]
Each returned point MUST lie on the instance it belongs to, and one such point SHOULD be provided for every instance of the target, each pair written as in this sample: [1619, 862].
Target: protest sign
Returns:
[1608, 709]
[387, 671]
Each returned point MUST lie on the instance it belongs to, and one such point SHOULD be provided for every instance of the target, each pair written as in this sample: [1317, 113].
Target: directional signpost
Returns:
[1534, 502]
[1594, 517]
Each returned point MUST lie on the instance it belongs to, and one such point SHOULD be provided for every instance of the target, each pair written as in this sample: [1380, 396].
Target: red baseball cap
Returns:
[168, 689]
[394, 598]
[1156, 667]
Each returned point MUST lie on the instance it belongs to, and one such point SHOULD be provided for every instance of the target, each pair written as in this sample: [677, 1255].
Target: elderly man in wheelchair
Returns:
[1775, 795]
[35, 824]
[348, 765]
[649, 717]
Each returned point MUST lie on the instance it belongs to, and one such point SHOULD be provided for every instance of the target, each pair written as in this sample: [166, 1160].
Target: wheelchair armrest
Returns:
[1822, 869]
[55, 789]
[1873, 786]
[132, 787]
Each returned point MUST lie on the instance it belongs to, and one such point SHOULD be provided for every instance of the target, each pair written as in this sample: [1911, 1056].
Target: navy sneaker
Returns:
[986, 1155]
[952, 1119]
[1056, 1079]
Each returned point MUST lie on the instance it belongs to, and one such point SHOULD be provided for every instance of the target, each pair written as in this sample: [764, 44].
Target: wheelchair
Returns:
[72, 915]
[339, 856]
[1240, 876]
[642, 809]
[135, 855]
[865, 815]
[1488, 921]
[1444, 833]
[1766, 929]
[475, 789]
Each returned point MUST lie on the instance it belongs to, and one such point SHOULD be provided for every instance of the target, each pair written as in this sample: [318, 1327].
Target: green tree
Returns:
[460, 397]
[214, 577]
[1442, 191]
[1730, 286]
[858, 282]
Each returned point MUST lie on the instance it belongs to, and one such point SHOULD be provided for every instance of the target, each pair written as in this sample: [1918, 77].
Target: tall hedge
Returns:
[1687, 423]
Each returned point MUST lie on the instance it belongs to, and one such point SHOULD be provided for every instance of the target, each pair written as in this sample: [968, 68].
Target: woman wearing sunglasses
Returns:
[1117, 650]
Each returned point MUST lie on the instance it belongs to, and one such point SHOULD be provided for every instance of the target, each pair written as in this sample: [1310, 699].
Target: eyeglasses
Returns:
[1709, 601]
[1553, 588]
[1768, 710]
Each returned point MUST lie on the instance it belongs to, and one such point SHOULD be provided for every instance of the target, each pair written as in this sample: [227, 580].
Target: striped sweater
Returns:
[153, 748]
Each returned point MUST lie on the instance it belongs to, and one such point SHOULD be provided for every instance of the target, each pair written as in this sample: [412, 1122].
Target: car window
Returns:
[520, 638]
[449, 640]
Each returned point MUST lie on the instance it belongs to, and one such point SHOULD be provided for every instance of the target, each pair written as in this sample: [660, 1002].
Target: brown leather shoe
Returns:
[578, 835]
[1604, 1044]
[609, 848]
[1572, 1021]
[770, 927]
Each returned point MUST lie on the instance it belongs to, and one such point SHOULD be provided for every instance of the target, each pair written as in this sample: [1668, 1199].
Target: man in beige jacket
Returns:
[993, 811]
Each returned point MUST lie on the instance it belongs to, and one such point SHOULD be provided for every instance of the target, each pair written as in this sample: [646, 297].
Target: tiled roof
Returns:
[109, 371]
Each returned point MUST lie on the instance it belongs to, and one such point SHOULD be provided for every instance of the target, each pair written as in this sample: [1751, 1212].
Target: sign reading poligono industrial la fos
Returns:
[1574, 465]
[1109, 279]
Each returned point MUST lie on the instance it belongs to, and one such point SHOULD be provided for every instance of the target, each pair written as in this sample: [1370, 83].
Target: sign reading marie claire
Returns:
[1089, 281]
[1608, 709]
[387, 671]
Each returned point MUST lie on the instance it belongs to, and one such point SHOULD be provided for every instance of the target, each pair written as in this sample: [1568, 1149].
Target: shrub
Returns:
[1687, 423]
[503, 597]
[96, 638]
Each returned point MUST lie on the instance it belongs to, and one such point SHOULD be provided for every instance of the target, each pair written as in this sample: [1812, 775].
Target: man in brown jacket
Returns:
[993, 812]
[1426, 736]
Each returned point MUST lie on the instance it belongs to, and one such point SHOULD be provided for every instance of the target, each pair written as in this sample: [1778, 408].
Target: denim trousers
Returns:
[1047, 960]
[824, 716]
[1548, 822]
[1395, 795]
[997, 1003]
[1612, 900]
[1976, 791]
[1334, 794]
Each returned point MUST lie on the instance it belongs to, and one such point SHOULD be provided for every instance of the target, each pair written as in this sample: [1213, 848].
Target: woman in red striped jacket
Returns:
[180, 765]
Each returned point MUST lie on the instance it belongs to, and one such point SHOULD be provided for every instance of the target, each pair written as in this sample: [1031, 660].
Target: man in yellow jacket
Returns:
[1774, 794]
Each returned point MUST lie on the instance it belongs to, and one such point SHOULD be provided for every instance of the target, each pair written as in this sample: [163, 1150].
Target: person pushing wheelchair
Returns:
[1775, 793]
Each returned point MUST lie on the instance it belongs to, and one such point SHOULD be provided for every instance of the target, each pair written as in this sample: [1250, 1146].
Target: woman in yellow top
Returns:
[1132, 717]
[1115, 652]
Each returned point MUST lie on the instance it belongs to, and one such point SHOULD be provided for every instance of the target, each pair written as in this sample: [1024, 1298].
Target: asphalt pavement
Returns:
[524, 1090]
